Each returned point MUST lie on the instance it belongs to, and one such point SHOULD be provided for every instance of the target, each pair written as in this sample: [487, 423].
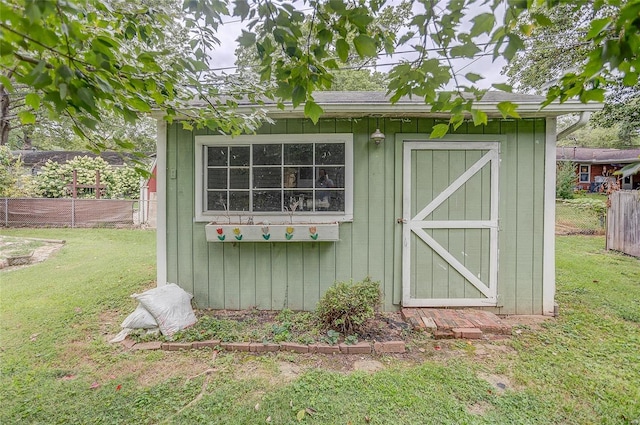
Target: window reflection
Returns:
[276, 177]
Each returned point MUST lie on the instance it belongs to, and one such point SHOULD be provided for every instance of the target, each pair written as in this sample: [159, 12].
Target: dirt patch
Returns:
[173, 365]
[368, 365]
[479, 408]
[289, 370]
[500, 383]
[42, 249]
[526, 322]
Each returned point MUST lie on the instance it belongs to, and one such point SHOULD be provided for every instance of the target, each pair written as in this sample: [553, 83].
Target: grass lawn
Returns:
[57, 366]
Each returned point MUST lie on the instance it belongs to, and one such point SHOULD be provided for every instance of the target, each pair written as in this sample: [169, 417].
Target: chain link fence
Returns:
[573, 216]
[68, 212]
[582, 216]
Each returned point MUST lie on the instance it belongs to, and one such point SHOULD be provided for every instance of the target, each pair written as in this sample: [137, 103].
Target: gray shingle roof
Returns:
[597, 155]
[343, 97]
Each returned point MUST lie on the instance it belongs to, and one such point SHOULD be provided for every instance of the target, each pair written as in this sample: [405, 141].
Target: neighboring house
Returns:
[271, 220]
[35, 159]
[595, 166]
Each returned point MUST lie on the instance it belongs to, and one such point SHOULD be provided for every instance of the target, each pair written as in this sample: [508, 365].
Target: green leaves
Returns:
[32, 100]
[503, 87]
[596, 95]
[241, 9]
[365, 46]
[84, 57]
[247, 39]
[597, 27]
[342, 49]
[27, 117]
[479, 117]
[467, 50]
[312, 110]
[508, 109]
[298, 95]
[482, 24]
[439, 131]
[473, 77]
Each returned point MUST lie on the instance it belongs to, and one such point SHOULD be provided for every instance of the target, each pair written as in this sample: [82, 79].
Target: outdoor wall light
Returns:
[377, 136]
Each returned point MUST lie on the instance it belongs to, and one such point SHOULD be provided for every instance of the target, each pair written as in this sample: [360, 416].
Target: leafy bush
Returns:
[565, 179]
[346, 306]
[14, 182]
[54, 179]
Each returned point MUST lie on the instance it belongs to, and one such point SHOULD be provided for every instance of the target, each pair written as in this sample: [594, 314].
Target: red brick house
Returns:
[594, 166]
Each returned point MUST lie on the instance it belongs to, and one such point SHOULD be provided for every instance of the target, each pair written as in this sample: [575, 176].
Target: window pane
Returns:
[305, 177]
[217, 155]
[329, 200]
[329, 153]
[267, 200]
[239, 178]
[216, 200]
[276, 177]
[239, 156]
[267, 177]
[334, 177]
[217, 178]
[239, 201]
[290, 177]
[298, 154]
[267, 154]
[303, 199]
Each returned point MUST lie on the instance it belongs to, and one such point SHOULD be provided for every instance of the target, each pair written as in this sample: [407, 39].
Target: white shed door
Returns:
[450, 224]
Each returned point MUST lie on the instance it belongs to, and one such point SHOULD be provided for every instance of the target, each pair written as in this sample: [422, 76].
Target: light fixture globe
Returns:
[377, 136]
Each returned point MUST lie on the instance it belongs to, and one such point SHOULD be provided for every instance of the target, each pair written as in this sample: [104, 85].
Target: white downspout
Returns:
[582, 121]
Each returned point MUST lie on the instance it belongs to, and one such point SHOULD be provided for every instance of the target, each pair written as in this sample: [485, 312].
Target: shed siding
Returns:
[294, 275]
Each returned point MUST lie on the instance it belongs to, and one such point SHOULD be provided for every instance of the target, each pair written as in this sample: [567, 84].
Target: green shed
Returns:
[271, 220]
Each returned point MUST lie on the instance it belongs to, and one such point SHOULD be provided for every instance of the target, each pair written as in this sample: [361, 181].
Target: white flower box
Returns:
[309, 232]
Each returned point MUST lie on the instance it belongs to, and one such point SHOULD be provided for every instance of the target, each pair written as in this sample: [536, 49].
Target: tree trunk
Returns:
[5, 125]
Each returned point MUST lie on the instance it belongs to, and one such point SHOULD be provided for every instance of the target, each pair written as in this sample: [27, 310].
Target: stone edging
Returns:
[255, 347]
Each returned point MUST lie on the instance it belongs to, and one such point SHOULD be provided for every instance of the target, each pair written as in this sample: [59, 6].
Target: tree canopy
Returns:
[80, 58]
[553, 50]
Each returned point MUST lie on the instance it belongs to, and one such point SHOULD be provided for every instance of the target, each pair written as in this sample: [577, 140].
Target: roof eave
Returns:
[356, 110]
[399, 110]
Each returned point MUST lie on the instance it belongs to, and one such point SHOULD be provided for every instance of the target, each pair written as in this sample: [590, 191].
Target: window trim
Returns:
[202, 142]
[580, 173]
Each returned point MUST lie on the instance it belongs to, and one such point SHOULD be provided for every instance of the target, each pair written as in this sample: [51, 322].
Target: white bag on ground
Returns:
[140, 319]
[124, 333]
[170, 306]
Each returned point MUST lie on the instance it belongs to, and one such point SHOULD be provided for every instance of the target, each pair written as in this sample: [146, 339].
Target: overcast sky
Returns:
[224, 56]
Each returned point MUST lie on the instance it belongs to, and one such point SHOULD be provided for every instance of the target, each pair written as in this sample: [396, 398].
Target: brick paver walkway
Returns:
[450, 323]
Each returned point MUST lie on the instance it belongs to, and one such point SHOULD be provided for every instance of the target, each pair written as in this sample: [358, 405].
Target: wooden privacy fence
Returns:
[64, 212]
[623, 222]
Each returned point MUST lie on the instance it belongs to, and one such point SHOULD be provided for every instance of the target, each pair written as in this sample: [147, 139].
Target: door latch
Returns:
[401, 220]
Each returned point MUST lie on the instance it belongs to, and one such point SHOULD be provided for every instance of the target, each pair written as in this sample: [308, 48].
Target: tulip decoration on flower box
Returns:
[265, 232]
